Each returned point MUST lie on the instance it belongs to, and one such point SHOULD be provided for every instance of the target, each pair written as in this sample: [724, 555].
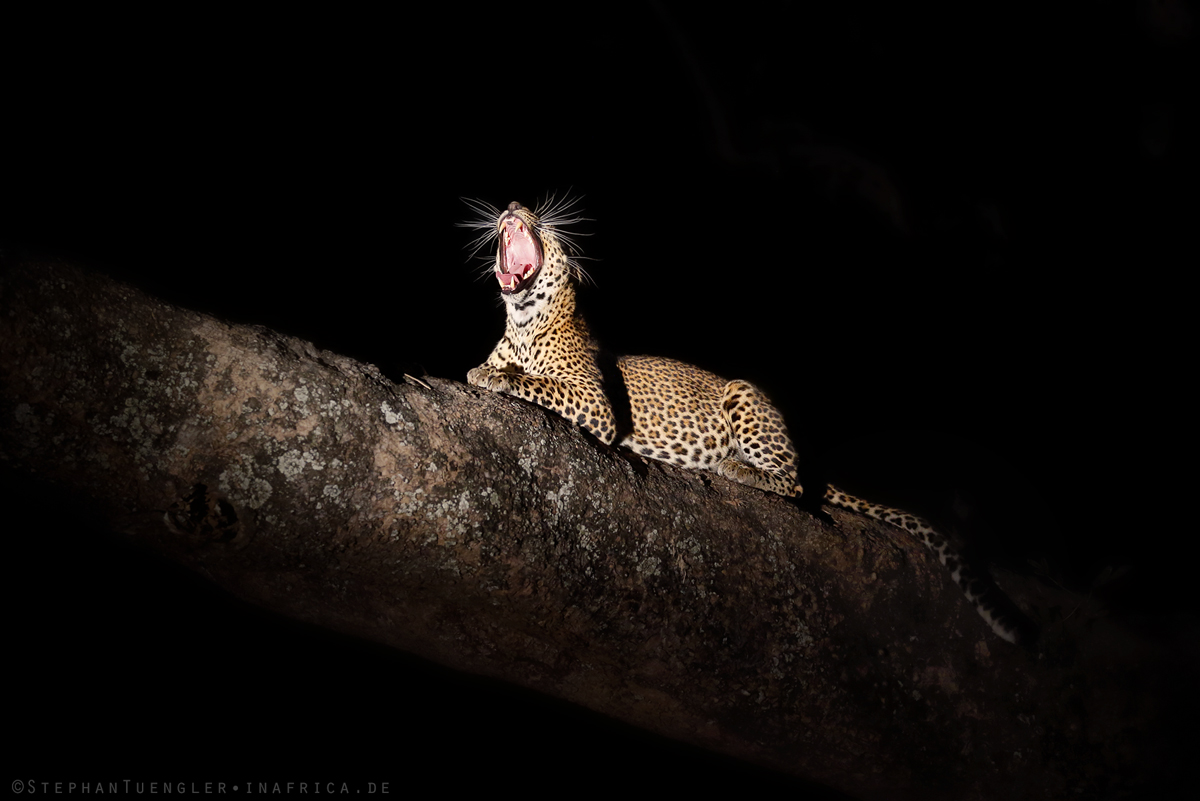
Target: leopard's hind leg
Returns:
[764, 456]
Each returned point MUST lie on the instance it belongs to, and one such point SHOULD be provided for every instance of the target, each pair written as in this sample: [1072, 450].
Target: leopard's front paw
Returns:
[489, 378]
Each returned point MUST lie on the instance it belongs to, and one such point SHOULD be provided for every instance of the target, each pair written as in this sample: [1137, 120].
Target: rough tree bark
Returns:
[490, 535]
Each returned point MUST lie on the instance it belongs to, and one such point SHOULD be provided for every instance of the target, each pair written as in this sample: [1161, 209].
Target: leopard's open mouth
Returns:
[520, 255]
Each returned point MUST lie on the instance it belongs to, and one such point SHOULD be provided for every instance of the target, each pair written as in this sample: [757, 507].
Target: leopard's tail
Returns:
[993, 606]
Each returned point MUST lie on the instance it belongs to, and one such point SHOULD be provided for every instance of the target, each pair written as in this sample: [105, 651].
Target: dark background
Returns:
[949, 240]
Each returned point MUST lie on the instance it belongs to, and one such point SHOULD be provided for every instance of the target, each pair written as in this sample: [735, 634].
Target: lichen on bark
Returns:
[490, 535]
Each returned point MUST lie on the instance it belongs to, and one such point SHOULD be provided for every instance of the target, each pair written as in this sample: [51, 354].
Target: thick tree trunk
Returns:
[490, 535]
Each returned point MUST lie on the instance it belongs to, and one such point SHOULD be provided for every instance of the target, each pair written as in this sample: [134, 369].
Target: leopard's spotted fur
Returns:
[679, 413]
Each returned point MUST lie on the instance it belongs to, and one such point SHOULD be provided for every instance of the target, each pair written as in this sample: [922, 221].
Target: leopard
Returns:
[677, 412]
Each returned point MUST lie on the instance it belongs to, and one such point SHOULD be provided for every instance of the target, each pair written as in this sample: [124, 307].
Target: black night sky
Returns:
[947, 239]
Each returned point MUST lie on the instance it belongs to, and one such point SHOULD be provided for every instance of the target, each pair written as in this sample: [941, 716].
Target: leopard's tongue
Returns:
[520, 261]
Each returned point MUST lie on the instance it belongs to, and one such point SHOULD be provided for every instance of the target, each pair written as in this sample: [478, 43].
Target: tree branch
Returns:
[489, 535]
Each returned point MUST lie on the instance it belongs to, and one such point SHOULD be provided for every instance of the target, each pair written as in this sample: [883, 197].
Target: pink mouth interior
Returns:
[519, 257]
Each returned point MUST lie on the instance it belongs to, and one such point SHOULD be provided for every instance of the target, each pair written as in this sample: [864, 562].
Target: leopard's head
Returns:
[534, 254]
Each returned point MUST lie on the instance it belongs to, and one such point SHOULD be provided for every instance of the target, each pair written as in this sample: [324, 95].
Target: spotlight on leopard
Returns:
[678, 413]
